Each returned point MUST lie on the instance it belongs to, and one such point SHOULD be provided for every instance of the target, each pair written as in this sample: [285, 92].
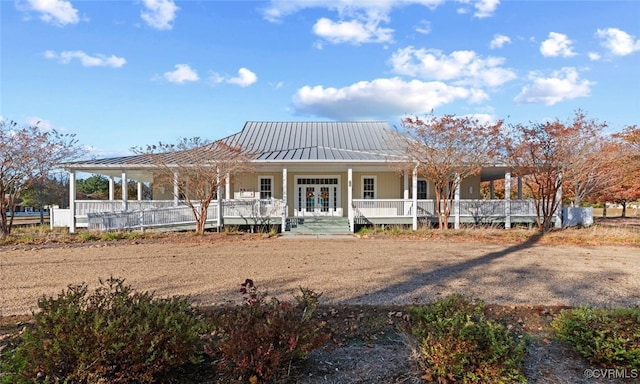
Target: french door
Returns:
[318, 196]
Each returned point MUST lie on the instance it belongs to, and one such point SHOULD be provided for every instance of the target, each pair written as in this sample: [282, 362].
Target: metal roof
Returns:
[290, 141]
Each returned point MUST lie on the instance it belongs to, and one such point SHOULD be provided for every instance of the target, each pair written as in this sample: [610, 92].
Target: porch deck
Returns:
[118, 214]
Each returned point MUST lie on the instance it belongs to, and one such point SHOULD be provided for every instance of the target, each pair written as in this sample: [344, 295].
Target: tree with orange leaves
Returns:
[625, 175]
[445, 150]
[554, 155]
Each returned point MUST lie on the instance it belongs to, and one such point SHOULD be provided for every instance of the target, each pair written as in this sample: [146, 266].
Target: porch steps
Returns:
[318, 225]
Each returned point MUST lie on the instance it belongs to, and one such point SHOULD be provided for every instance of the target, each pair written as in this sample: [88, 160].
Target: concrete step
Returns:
[318, 225]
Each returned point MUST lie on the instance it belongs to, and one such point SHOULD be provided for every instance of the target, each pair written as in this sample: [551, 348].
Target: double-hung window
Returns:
[369, 187]
[266, 188]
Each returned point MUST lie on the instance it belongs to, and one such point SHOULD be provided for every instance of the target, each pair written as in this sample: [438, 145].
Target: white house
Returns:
[309, 177]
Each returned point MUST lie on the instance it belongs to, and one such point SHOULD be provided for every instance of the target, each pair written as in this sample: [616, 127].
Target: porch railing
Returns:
[148, 215]
[84, 207]
[182, 215]
[252, 208]
[427, 208]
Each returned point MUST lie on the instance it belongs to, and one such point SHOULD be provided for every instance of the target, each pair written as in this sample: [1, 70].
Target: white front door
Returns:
[317, 196]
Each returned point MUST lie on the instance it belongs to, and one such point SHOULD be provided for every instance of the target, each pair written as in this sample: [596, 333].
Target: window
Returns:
[266, 188]
[422, 190]
[369, 187]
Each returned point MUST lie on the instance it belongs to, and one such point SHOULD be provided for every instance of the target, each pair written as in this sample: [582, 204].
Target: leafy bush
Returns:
[261, 339]
[609, 337]
[456, 343]
[113, 335]
[88, 236]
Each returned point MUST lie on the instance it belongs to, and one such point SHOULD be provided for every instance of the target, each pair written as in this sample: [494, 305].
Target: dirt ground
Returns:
[347, 270]
[526, 281]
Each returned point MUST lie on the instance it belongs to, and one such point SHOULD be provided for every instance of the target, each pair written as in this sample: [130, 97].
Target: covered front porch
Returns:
[298, 194]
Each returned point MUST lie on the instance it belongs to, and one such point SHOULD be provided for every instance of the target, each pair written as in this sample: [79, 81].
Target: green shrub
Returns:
[608, 337]
[456, 343]
[261, 339]
[112, 335]
[110, 236]
[85, 236]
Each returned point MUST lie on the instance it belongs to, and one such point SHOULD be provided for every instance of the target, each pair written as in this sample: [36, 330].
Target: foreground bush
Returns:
[607, 337]
[262, 339]
[113, 335]
[456, 343]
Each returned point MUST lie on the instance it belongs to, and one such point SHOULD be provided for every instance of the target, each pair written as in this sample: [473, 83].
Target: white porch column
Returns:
[176, 190]
[507, 200]
[558, 223]
[125, 192]
[285, 209]
[350, 199]
[112, 188]
[519, 188]
[227, 187]
[456, 204]
[219, 201]
[492, 190]
[72, 201]
[414, 195]
[405, 182]
[139, 190]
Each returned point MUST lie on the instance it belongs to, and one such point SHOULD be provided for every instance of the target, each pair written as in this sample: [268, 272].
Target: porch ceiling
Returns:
[493, 173]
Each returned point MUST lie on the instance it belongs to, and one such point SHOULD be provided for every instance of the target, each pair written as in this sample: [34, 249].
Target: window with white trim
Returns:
[368, 187]
[266, 187]
[423, 192]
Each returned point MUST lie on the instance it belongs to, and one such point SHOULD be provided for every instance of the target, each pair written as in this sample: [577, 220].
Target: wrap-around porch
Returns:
[303, 199]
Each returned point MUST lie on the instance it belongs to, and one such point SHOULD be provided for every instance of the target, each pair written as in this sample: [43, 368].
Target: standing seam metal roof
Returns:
[291, 141]
[366, 140]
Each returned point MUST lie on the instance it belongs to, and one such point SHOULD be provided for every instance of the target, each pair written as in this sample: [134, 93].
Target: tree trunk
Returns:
[624, 209]
[604, 210]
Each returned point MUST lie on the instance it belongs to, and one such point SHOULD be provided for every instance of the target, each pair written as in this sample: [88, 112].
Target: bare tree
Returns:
[200, 167]
[445, 150]
[27, 156]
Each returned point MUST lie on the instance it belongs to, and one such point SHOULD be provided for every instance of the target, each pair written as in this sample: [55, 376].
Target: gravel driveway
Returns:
[345, 269]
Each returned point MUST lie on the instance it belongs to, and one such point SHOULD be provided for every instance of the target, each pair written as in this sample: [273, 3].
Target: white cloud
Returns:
[485, 8]
[159, 14]
[86, 60]
[618, 42]
[462, 67]
[556, 45]
[244, 79]
[499, 41]
[594, 56]
[358, 22]
[278, 9]
[354, 31]
[56, 12]
[371, 99]
[562, 85]
[424, 27]
[181, 75]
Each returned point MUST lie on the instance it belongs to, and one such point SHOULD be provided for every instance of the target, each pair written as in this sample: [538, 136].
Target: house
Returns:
[309, 176]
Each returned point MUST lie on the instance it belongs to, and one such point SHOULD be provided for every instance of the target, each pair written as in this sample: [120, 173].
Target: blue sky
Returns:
[122, 73]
